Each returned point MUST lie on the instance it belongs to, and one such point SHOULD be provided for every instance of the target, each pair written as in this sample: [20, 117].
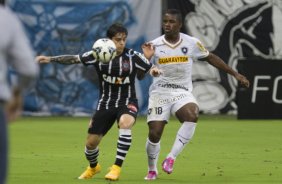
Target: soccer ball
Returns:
[104, 50]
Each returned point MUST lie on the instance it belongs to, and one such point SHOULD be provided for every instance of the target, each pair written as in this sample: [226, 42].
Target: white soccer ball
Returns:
[104, 50]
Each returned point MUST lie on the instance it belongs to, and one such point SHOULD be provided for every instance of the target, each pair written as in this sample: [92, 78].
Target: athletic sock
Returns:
[153, 150]
[184, 135]
[92, 156]
[123, 145]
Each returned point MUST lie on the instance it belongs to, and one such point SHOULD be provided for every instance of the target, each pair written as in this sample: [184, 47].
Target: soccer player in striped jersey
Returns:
[117, 101]
[172, 91]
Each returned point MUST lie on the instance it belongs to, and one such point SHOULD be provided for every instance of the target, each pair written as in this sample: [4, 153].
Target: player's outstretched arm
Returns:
[220, 64]
[63, 59]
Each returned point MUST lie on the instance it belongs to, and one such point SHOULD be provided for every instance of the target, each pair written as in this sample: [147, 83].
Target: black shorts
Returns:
[103, 120]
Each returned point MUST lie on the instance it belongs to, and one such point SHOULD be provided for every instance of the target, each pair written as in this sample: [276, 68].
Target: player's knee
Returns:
[155, 136]
[193, 117]
[91, 145]
[126, 121]
[126, 124]
[189, 114]
[93, 141]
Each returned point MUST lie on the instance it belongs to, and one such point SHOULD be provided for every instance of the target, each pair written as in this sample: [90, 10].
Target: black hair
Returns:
[175, 12]
[2, 2]
[116, 28]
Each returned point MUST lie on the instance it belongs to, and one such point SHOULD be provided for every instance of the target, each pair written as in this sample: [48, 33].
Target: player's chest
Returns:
[166, 51]
[117, 68]
[166, 55]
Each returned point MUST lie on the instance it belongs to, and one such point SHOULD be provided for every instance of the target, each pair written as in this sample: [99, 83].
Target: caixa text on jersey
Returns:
[116, 80]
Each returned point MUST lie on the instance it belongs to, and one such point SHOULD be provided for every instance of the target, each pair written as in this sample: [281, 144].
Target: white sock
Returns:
[184, 135]
[124, 131]
[153, 150]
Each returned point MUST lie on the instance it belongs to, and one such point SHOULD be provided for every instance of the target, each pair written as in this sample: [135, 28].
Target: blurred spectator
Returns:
[15, 51]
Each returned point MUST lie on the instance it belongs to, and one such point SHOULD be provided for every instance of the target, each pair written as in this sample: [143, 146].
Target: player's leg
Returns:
[3, 145]
[188, 116]
[92, 153]
[153, 147]
[126, 120]
[99, 125]
[158, 115]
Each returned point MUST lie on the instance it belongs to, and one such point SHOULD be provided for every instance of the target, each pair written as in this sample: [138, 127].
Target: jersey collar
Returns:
[170, 44]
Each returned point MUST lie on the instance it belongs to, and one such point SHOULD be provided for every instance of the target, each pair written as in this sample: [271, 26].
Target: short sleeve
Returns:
[142, 62]
[87, 58]
[199, 51]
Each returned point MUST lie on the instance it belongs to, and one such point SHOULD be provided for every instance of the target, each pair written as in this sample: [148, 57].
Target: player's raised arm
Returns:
[148, 50]
[63, 59]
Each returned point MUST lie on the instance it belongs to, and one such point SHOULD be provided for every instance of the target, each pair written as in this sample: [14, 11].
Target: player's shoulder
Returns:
[7, 14]
[134, 54]
[8, 17]
[158, 40]
[4, 11]
[128, 51]
[189, 38]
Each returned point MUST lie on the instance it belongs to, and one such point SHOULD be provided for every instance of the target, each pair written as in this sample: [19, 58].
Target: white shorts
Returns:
[161, 106]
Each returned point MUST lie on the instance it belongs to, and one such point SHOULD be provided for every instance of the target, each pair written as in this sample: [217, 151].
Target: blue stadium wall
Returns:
[235, 30]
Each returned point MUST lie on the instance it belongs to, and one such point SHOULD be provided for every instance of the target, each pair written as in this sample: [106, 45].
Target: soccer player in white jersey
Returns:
[172, 91]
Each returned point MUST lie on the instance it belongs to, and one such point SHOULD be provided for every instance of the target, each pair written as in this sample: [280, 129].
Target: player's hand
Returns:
[148, 50]
[13, 108]
[43, 59]
[243, 80]
[155, 72]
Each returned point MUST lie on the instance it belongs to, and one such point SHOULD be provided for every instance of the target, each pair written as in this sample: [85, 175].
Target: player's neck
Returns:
[172, 38]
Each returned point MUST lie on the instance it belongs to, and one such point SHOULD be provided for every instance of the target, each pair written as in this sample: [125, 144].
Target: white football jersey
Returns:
[176, 60]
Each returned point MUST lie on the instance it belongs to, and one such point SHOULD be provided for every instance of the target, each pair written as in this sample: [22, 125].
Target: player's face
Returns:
[171, 24]
[120, 40]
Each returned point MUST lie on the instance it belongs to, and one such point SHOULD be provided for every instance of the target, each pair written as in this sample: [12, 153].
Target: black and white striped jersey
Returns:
[117, 78]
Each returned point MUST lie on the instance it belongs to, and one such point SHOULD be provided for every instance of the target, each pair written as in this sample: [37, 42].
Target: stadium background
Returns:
[238, 31]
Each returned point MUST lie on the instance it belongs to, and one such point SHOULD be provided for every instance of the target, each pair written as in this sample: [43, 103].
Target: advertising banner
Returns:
[70, 27]
[229, 29]
[263, 100]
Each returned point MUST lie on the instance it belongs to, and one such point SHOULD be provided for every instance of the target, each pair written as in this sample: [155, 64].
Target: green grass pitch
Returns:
[50, 150]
